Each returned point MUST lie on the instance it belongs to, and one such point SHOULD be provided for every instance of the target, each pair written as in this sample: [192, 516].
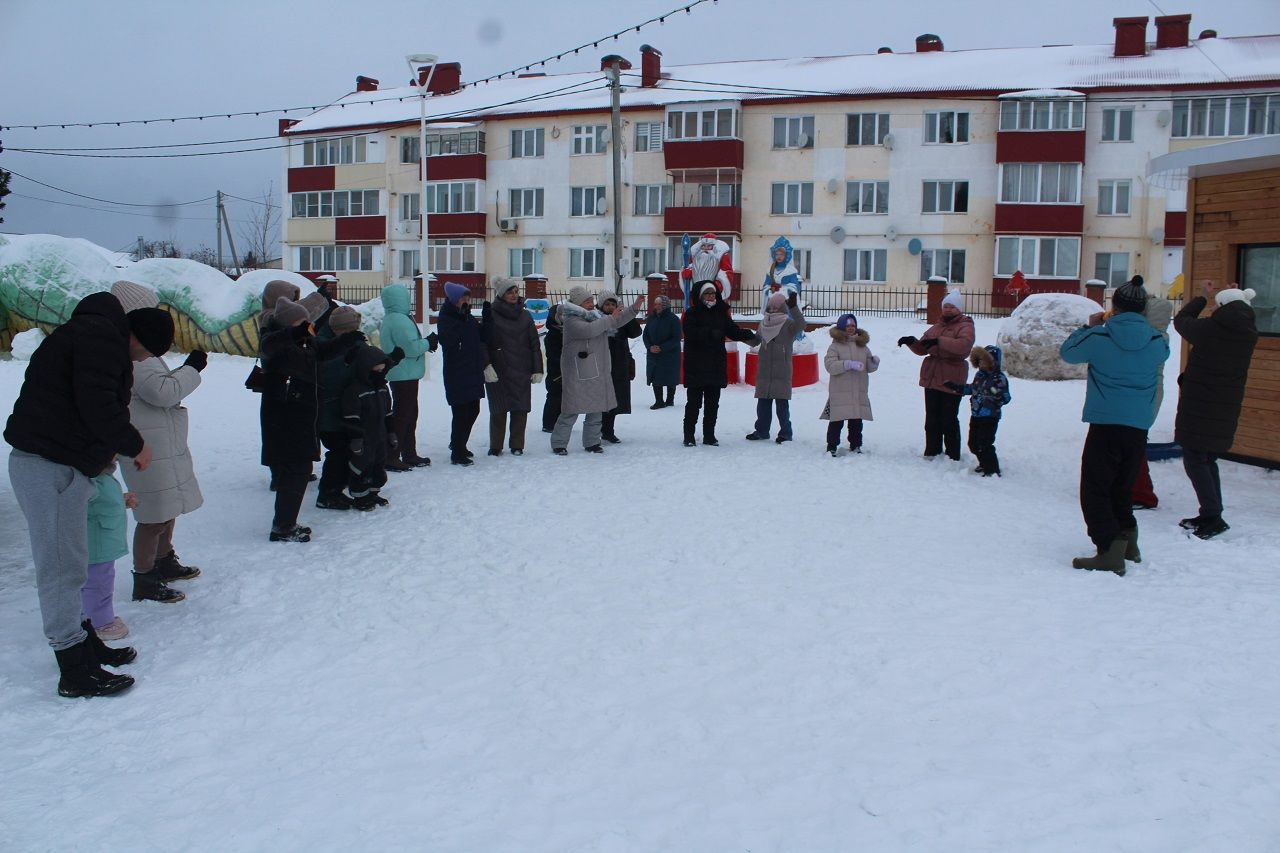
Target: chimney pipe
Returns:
[1131, 36]
[928, 43]
[1208, 34]
[650, 66]
[1172, 30]
[885, 49]
[606, 62]
[446, 79]
[366, 84]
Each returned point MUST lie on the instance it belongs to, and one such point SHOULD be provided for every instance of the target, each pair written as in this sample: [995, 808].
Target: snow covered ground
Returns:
[745, 648]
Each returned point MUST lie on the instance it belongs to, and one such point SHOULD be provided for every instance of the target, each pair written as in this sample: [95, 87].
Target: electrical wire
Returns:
[127, 212]
[107, 200]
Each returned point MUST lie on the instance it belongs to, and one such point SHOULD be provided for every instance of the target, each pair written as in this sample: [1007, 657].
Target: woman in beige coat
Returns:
[848, 360]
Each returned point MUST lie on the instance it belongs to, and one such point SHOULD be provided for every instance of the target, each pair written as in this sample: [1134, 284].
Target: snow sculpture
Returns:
[1034, 332]
[709, 262]
[782, 275]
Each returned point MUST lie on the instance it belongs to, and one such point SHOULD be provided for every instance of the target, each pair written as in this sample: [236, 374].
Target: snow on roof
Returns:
[1224, 61]
[1043, 93]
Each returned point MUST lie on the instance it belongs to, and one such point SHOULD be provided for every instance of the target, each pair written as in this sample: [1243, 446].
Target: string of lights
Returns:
[105, 200]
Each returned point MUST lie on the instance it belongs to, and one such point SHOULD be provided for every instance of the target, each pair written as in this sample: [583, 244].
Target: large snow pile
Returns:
[1032, 335]
[26, 343]
[209, 296]
[43, 277]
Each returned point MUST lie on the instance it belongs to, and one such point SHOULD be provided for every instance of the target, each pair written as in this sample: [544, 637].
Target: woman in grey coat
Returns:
[586, 370]
[776, 340]
[513, 356]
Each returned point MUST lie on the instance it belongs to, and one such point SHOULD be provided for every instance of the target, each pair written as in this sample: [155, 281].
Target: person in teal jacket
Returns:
[1125, 356]
[400, 330]
[108, 542]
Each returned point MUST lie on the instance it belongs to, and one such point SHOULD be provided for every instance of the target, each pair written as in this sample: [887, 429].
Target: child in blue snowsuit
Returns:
[989, 393]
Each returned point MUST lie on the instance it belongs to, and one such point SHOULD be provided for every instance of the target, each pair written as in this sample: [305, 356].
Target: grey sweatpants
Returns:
[55, 500]
[590, 430]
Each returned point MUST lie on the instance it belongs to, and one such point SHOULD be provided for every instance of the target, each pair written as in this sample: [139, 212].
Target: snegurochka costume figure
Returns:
[782, 276]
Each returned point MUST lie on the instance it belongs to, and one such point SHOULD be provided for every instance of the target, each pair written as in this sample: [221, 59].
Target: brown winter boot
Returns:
[1110, 560]
[1131, 553]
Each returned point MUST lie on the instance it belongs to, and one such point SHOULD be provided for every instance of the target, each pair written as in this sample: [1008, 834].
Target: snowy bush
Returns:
[1034, 332]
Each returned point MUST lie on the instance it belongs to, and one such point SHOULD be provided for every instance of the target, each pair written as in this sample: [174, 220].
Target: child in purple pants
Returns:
[108, 541]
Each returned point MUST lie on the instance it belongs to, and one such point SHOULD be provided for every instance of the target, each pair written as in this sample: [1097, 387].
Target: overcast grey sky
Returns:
[84, 60]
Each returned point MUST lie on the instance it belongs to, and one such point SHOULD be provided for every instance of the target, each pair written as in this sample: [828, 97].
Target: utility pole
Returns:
[218, 227]
[226, 224]
[615, 145]
[137, 253]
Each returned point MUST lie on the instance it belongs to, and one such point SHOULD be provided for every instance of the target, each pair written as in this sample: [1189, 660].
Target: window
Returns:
[1235, 116]
[455, 142]
[1113, 198]
[526, 203]
[588, 139]
[867, 197]
[586, 263]
[1111, 267]
[647, 261]
[452, 197]
[410, 205]
[705, 123]
[525, 262]
[354, 258]
[650, 199]
[865, 265]
[339, 203]
[792, 199]
[529, 142]
[1024, 114]
[409, 148]
[948, 263]
[315, 258]
[1040, 183]
[1259, 268]
[946, 127]
[675, 250]
[409, 262]
[586, 201]
[803, 261]
[793, 131]
[1117, 124]
[332, 152]
[336, 258]
[648, 136]
[866, 128]
[945, 197]
[451, 255]
[1044, 257]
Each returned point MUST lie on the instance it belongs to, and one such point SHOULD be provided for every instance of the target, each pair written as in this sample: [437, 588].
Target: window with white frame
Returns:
[792, 199]
[946, 127]
[865, 266]
[648, 136]
[586, 263]
[793, 131]
[588, 139]
[1226, 116]
[409, 148]
[526, 203]
[802, 260]
[866, 128]
[455, 142]
[1113, 198]
[335, 203]
[410, 206]
[1117, 124]
[451, 255]
[525, 262]
[355, 258]
[337, 258]
[453, 197]
[1040, 183]
[1111, 267]
[650, 199]
[867, 197]
[528, 142]
[945, 197]
[703, 123]
[1043, 257]
[332, 152]
[409, 263]
[647, 261]
[586, 201]
[1036, 114]
[948, 263]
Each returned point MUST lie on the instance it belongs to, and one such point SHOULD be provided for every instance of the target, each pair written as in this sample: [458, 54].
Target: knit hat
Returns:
[662, 300]
[845, 321]
[708, 286]
[153, 327]
[316, 305]
[288, 313]
[606, 295]
[1130, 296]
[579, 295]
[501, 286]
[275, 290]
[344, 319]
[455, 292]
[955, 300]
[1235, 294]
[133, 296]
[777, 302]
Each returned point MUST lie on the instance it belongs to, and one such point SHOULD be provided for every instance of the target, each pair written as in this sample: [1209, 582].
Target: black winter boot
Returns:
[82, 676]
[1109, 560]
[148, 586]
[169, 568]
[104, 654]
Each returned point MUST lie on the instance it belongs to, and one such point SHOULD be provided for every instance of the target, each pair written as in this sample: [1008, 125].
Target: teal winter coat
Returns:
[108, 526]
[1125, 356]
[399, 330]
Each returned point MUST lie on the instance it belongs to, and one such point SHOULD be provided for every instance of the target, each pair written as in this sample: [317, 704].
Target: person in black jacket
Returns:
[334, 375]
[553, 343]
[366, 407]
[464, 370]
[622, 366]
[707, 324]
[1212, 393]
[70, 420]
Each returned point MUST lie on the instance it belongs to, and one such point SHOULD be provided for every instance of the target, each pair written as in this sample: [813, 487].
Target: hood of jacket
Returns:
[553, 317]
[860, 336]
[106, 306]
[276, 290]
[395, 298]
[1130, 331]
[364, 359]
[1159, 313]
[568, 309]
[988, 358]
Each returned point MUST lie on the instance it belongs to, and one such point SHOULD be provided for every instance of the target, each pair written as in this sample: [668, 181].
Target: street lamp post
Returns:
[416, 61]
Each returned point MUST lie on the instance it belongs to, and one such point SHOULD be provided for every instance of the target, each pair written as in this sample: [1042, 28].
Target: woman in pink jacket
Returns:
[946, 347]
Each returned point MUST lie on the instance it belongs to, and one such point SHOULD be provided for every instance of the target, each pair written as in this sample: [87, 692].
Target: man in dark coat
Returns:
[1211, 394]
[707, 324]
[553, 342]
[334, 375]
[662, 352]
[463, 368]
[70, 420]
[622, 366]
[513, 356]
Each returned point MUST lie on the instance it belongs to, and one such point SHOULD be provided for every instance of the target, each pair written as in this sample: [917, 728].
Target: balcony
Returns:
[1039, 218]
[701, 200]
[703, 154]
[1047, 146]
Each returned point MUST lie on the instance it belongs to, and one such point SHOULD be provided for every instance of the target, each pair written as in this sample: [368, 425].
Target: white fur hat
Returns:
[708, 286]
[1235, 294]
[955, 300]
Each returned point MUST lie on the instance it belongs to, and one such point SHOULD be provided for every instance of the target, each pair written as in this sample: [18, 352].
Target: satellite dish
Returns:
[1157, 236]
[914, 246]
[888, 141]
[837, 234]
[833, 185]
[804, 140]
[891, 233]
[602, 206]
[1163, 118]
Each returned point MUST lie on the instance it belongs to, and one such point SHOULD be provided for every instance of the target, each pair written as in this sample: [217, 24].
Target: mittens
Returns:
[433, 342]
[535, 379]
[851, 364]
[906, 340]
[199, 359]
[490, 375]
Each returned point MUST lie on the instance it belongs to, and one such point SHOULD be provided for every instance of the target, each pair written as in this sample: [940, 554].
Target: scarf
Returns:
[771, 324]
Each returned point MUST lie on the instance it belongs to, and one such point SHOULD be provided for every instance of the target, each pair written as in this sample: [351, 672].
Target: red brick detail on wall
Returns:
[1040, 146]
[310, 178]
[675, 287]
[1039, 219]
[455, 224]
[699, 220]
[703, 154]
[1175, 228]
[475, 282]
[454, 167]
[360, 229]
[1002, 298]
